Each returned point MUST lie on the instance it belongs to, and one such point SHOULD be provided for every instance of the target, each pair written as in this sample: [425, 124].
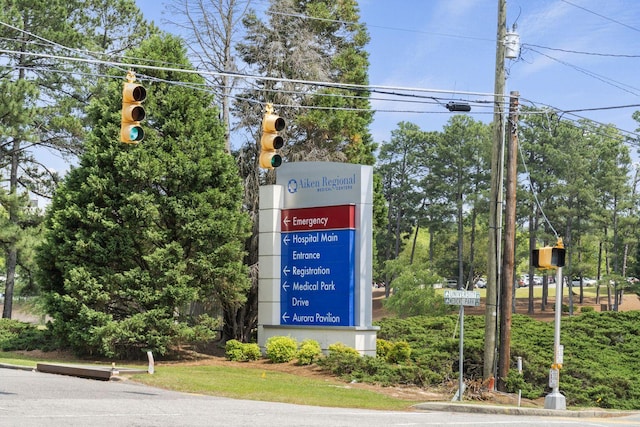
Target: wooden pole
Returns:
[508, 256]
[495, 202]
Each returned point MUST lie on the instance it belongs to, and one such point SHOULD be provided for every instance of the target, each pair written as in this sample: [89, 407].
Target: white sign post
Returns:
[461, 298]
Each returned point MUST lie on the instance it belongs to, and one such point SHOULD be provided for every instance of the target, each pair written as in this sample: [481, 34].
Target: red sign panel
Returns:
[319, 218]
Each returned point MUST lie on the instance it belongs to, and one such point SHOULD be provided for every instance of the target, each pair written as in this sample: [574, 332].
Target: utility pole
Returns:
[508, 257]
[495, 202]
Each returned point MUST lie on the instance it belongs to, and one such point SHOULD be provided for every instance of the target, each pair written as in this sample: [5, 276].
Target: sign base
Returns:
[362, 339]
[555, 401]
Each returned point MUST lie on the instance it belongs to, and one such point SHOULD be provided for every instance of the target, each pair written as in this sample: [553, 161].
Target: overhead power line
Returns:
[348, 86]
[389, 90]
[602, 16]
[580, 52]
[397, 94]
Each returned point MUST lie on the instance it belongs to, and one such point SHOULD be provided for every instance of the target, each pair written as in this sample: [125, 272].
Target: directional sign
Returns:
[318, 274]
[459, 297]
[319, 218]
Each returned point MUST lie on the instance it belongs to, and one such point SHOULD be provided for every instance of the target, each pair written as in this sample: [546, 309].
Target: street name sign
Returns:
[461, 297]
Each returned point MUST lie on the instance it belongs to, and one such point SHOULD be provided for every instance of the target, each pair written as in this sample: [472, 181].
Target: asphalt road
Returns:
[29, 398]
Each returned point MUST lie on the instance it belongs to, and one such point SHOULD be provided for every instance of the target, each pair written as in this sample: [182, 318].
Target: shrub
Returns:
[587, 309]
[281, 349]
[340, 348]
[16, 335]
[516, 382]
[309, 352]
[400, 352]
[251, 351]
[341, 361]
[382, 348]
[241, 352]
[233, 351]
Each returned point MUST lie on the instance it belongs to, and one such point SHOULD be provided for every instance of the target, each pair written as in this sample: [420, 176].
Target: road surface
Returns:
[30, 399]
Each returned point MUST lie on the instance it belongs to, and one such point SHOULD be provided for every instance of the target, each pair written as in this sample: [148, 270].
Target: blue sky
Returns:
[450, 45]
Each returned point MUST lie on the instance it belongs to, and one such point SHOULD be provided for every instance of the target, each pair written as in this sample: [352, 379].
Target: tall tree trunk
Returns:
[472, 242]
[459, 198]
[12, 251]
[415, 239]
[432, 236]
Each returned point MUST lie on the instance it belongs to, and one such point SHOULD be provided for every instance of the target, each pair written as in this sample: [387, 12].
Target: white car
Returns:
[585, 281]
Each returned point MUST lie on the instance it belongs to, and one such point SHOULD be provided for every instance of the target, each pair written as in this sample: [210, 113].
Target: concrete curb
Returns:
[82, 371]
[19, 367]
[514, 410]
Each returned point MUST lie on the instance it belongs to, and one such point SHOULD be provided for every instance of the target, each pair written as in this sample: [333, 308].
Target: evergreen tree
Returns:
[43, 95]
[401, 168]
[460, 167]
[301, 41]
[137, 233]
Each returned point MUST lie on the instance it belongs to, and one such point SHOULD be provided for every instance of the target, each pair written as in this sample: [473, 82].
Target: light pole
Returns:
[555, 399]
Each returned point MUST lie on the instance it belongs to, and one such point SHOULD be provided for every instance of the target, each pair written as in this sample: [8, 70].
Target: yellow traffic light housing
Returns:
[133, 113]
[270, 140]
[549, 257]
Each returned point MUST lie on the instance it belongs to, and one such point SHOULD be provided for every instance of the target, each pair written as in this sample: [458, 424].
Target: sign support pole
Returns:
[461, 362]
[461, 297]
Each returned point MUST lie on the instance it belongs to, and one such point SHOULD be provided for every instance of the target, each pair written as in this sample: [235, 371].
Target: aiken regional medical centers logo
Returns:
[322, 184]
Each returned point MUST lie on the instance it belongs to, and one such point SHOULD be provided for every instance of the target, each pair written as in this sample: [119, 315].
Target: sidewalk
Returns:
[479, 408]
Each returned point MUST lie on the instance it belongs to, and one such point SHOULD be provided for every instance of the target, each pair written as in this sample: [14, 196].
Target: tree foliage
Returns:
[43, 96]
[137, 234]
[413, 292]
[294, 41]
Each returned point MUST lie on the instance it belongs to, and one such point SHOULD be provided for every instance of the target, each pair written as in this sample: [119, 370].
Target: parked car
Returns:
[481, 283]
[585, 281]
[452, 283]
[522, 281]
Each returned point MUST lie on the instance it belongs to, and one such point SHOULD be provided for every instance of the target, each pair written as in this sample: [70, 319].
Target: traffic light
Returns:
[271, 140]
[549, 257]
[133, 113]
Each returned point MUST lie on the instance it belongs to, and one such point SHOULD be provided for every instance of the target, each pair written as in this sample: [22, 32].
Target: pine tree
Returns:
[137, 233]
[43, 95]
[308, 40]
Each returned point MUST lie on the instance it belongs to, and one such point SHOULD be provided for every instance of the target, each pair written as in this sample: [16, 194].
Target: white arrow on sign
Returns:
[286, 270]
[285, 240]
[286, 221]
[285, 286]
[285, 317]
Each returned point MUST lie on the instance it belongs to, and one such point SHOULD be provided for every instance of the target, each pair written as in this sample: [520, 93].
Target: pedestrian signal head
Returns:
[548, 257]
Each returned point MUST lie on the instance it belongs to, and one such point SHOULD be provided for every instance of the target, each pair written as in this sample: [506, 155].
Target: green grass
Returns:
[251, 384]
[267, 385]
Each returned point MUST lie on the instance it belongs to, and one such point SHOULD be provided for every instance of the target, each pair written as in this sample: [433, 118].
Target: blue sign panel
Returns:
[318, 278]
